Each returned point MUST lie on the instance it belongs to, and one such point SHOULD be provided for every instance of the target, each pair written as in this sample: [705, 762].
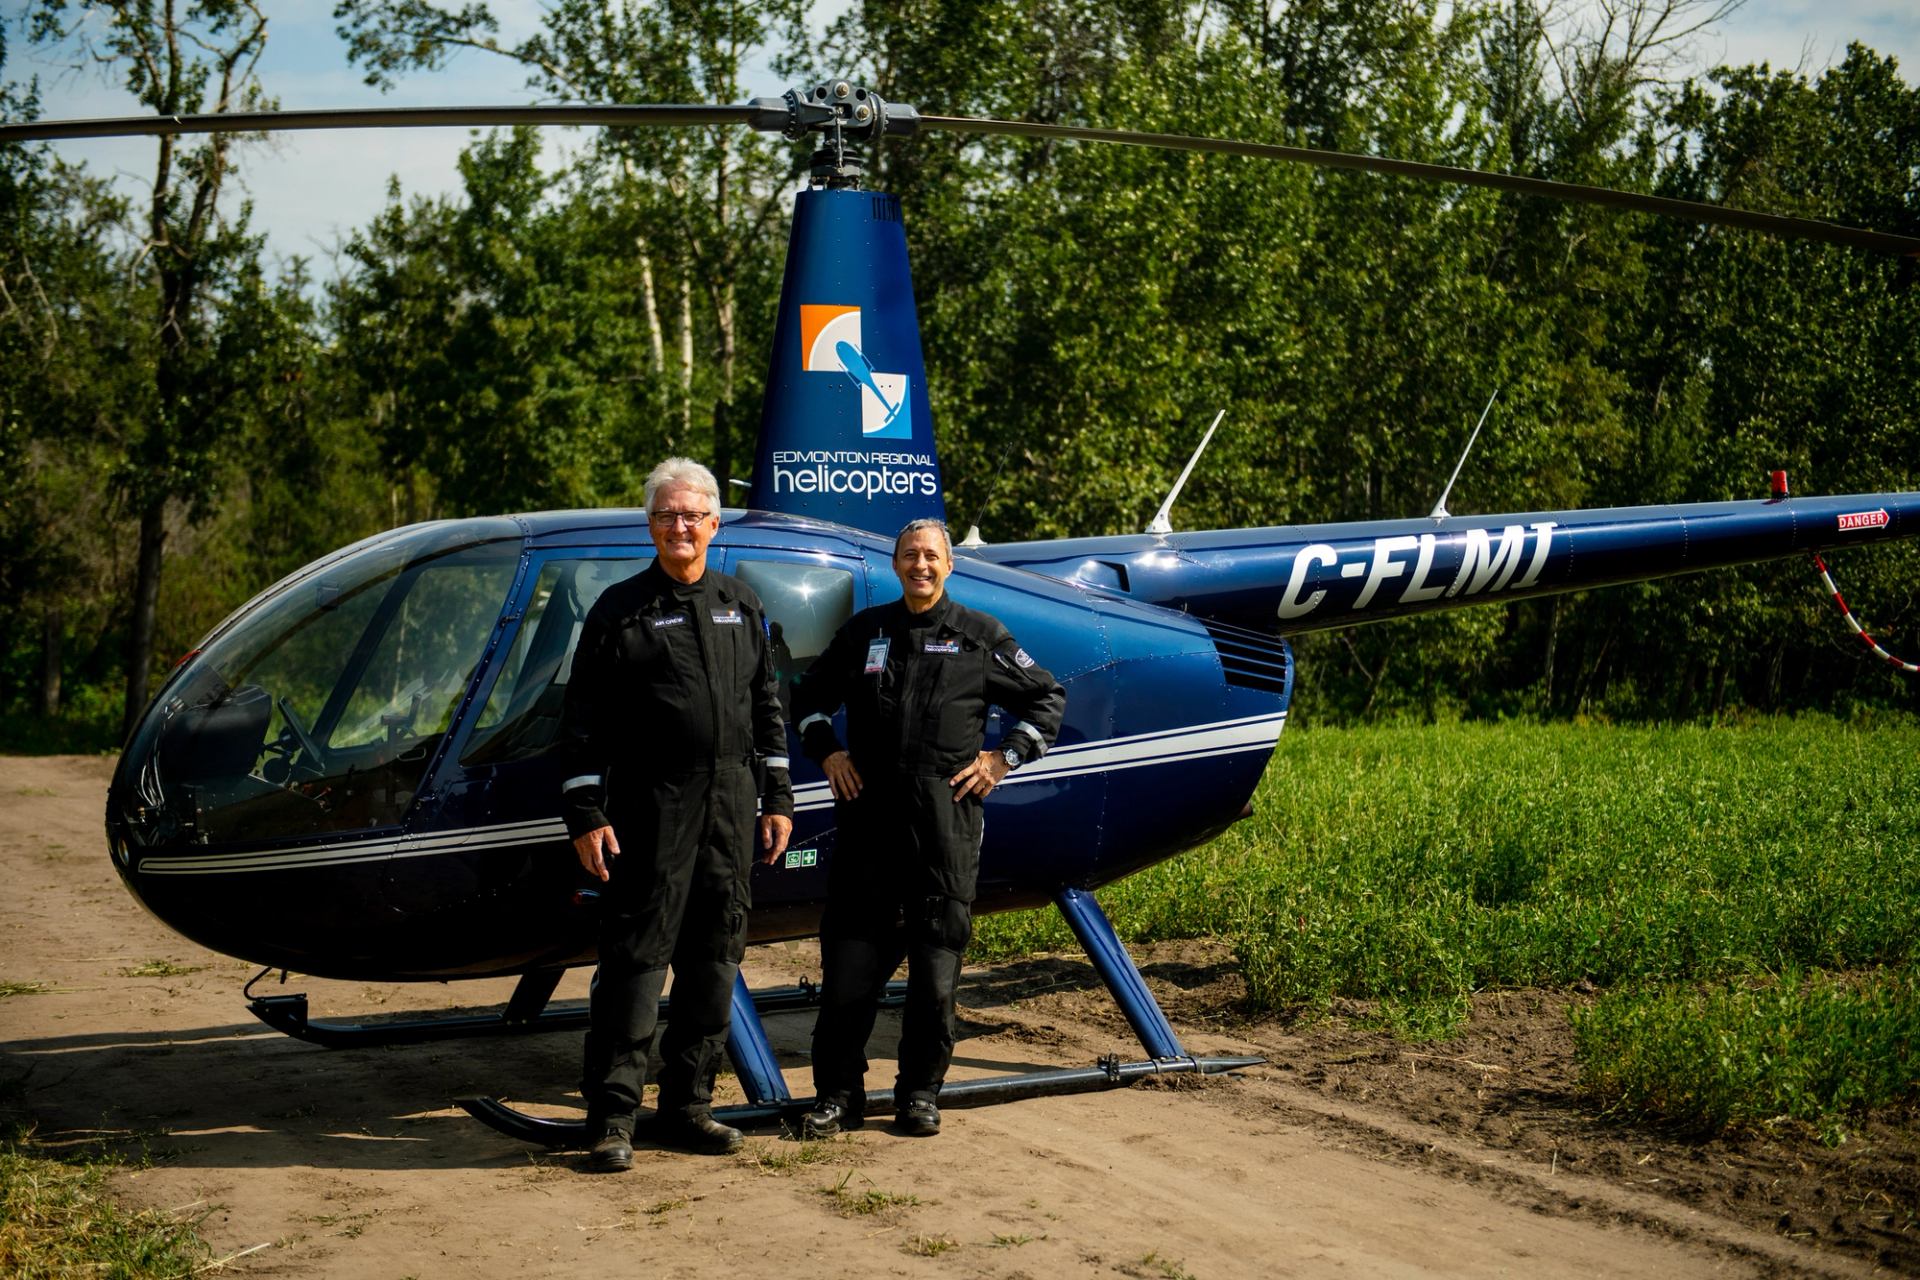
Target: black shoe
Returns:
[700, 1133]
[613, 1153]
[828, 1118]
[918, 1119]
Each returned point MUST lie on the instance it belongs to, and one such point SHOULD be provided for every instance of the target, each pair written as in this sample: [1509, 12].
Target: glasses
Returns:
[686, 519]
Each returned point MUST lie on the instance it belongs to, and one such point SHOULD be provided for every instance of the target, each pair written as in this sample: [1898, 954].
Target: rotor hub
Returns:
[847, 117]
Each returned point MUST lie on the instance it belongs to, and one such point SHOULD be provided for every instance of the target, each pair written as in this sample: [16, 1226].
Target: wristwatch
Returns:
[1012, 756]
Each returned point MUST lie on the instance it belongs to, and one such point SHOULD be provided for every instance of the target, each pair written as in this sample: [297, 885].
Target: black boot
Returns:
[698, 1132]
[612, 1152]
[918, 1119]
[828, 1118]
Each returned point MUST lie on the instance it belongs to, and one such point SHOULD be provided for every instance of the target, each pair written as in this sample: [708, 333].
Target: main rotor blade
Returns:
[771, 116]
[387, 118]
[1772, 223]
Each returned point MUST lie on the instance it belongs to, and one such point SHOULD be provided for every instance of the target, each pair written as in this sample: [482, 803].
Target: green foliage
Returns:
[58, 1219]
[681, 223]
[537, 339]
[1675, 869]
[495, 349]
[1414, 865]
[1820, 1049]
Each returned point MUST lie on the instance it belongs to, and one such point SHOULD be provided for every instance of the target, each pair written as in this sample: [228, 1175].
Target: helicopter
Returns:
[350, 776]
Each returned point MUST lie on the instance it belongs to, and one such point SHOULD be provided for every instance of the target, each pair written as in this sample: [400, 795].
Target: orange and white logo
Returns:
[830, 343]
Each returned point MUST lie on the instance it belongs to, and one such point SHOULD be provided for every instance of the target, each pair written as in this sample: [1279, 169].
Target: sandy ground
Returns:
[1349, 1155]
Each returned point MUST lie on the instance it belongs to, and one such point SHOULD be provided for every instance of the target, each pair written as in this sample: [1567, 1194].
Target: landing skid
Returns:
[1108, 1073]
[526, 1013]
[769, 1102]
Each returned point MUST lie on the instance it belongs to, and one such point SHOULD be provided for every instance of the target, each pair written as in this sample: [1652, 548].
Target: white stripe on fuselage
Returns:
[1105, 755]
[1108, 755]
[460, 840]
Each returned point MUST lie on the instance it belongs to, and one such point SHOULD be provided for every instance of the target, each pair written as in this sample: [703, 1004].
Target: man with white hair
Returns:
[671, 713]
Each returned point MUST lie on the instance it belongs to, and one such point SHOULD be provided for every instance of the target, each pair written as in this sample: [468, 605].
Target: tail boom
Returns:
[1316, 577]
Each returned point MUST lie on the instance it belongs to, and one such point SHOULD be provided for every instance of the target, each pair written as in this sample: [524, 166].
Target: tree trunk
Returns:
[652, 305]
[146, 599]
[686, 356]
[723, 324]
[723, 404]
[52, 629]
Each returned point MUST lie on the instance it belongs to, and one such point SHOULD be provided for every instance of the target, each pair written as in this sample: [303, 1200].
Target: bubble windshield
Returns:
[319, 706]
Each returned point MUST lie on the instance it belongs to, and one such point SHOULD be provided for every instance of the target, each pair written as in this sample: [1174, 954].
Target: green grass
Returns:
[1812, 1049]
[160, 969]
[57, 1219]
[88, 724]
[784, 1157]
[860, 1204]
[930, 1246]
[1412, 866]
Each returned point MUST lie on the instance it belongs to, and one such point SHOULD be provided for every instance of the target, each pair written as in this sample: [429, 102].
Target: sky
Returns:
[310, 189]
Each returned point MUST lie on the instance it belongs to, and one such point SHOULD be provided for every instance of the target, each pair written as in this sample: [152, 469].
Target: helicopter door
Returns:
[506, 778]
[807, 597]
[520, 719]
[497, 800]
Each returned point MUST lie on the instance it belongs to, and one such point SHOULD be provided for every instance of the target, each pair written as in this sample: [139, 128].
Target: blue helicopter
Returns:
[350, 776]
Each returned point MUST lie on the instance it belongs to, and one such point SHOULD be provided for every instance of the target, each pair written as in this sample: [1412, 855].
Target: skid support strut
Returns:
[1115, 967]
[769, 1102]
[752, 1055]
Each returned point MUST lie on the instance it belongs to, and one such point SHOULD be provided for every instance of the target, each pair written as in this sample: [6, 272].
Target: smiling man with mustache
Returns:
[916, 677]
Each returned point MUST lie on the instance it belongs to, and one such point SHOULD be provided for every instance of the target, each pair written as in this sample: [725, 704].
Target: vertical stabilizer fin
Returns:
[846, 433]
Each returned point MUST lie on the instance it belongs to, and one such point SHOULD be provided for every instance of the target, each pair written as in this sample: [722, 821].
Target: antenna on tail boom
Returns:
[1160, 523]
[1440, 511]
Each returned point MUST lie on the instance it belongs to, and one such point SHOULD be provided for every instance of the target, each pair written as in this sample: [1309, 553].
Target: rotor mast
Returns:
[846, 117]
[846, 426]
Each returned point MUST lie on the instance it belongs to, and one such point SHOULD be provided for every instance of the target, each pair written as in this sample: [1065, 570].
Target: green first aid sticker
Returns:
[803, 858]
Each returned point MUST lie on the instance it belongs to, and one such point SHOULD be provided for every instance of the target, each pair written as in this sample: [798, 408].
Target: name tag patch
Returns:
[877, 656]
[671, 620]
[942, 646]
[732, 615]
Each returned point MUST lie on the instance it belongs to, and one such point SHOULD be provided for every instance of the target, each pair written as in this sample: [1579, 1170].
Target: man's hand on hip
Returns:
[596, 849]
[980, 777]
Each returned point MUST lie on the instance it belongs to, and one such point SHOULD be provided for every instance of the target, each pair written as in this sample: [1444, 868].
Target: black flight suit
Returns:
[671, 713]
[916, 688]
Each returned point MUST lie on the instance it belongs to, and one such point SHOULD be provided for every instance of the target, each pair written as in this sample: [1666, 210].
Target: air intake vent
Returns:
[1252, 659]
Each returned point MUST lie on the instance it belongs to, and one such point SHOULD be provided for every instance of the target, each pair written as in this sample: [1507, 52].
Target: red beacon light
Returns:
[1777, 483]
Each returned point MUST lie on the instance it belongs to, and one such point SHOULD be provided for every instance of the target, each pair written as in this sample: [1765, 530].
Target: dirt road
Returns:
[353, 1163]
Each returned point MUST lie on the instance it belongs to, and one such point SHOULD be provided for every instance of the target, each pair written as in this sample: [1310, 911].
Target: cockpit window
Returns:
[414, 662]
[318, 709]
[522, 715]
[806, 603]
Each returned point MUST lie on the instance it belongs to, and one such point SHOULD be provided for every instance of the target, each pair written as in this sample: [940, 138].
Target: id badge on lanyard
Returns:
[877, 656]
